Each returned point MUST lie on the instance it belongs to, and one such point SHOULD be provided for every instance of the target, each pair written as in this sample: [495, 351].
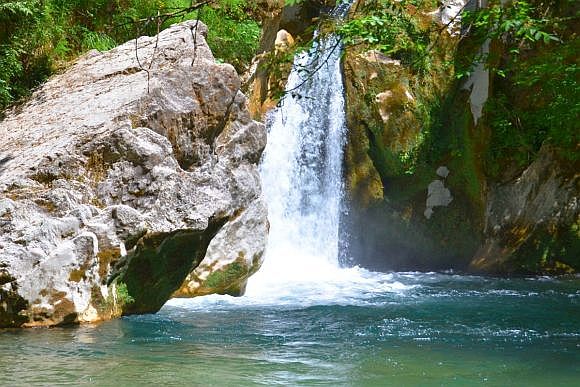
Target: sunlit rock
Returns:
[283, 41]
[236, 252]
[375, 56]
[116, 175]
[449, 15]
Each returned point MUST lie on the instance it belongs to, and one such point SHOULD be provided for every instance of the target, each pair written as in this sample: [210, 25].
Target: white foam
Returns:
[349, 286]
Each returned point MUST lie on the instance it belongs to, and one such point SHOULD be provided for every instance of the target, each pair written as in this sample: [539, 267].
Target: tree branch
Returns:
[181, 12]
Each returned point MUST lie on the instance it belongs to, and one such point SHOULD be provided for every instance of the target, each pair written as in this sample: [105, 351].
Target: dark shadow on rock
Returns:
[160, 263]
[3, 161]
[12, 305]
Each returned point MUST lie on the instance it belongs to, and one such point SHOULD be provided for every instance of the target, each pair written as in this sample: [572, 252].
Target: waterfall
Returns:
[301, 169]
[301, 174]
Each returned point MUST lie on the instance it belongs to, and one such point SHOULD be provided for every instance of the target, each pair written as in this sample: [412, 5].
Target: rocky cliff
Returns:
[128, 178]
[432, 183]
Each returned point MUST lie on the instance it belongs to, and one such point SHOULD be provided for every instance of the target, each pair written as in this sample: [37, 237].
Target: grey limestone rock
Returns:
[118, 160]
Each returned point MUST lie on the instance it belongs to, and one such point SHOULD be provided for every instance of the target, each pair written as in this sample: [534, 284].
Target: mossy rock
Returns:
[405, 137]
[159, 265]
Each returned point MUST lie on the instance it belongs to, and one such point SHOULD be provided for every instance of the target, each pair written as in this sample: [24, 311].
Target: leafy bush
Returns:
[123, 296]
[536, 99]
[391, 28]
[233, 34]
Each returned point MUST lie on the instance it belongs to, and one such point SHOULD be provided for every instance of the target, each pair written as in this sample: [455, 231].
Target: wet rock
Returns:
[234, 254]
[382, 124]
[449, 14]
[401, 214]
[120, 165]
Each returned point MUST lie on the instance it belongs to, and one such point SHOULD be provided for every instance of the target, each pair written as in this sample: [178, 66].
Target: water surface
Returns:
[383, 329]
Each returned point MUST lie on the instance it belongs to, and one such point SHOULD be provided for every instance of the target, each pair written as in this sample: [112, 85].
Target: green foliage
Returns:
[516, 22]
[389, 27]
[96, 40]
[233, 34]
[537, 97]
[554, 103]
[123, 296]
[538, 103]
[519, 25]
[115, 301]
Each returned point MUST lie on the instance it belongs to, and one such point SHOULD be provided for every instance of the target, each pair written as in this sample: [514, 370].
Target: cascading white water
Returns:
[302, 169]
[301, 174]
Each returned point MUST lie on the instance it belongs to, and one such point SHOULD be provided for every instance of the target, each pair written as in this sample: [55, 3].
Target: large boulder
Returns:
[117, 174]
[232, 256]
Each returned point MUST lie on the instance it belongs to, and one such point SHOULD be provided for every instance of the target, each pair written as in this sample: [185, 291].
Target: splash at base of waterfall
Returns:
[320, 284]
[299, 279]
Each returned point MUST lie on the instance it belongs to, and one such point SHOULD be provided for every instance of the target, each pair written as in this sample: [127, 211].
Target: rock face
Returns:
[533, 222]
[116, 176]
[405, 212]
[426, 189]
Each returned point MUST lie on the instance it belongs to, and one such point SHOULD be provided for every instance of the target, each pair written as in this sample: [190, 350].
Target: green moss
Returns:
[159, 264]
[465, 159]
[224, 278]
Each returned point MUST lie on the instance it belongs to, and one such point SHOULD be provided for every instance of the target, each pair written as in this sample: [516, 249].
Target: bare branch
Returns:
[180, 12]
[311, 73]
